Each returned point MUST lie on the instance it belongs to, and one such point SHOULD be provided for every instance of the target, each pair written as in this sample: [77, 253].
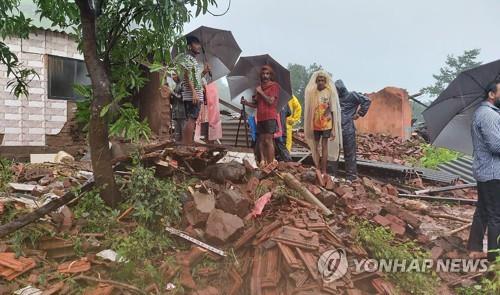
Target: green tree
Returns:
[115, 37]
[454, 65]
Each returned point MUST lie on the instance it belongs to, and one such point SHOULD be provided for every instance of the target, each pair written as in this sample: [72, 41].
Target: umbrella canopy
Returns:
[449, 117]
[220, 50]
[245, 77]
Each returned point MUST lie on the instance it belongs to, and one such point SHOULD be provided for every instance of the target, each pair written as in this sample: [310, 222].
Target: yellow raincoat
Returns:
[293, 119]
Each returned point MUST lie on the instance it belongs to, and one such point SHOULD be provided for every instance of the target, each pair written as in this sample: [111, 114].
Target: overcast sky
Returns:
[370, 44]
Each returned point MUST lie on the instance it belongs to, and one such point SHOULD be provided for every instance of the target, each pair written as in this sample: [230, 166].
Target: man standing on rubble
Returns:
[353, 106]
[192, 86]
[486, 167]
[267, 96]
[322, 128]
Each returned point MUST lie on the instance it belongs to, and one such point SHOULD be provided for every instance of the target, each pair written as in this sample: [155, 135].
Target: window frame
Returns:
[75, 71]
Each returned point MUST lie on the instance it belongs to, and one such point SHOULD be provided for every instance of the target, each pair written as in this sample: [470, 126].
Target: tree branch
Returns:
[123, 27]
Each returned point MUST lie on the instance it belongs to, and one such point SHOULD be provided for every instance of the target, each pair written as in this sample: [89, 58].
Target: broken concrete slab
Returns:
[223, 227]
[239, 157]
[42, 158]
[197, 213]
[220, 173]
[232, 201]
[22, 186]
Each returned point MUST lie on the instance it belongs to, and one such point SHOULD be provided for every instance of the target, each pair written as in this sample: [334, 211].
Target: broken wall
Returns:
[390, 114]
[28, 121]
[70, 139]
[153, 106]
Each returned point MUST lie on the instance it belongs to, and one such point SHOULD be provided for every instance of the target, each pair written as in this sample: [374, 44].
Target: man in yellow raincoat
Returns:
[293, 119]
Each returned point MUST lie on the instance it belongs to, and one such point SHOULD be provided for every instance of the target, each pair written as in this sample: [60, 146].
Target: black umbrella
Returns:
[220, 50]
[449, 117]
[245, 77]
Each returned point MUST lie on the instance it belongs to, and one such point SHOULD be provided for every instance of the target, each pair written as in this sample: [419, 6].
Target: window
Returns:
[63, 74]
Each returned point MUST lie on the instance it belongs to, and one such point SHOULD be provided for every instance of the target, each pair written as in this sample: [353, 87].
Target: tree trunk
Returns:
[102, 95]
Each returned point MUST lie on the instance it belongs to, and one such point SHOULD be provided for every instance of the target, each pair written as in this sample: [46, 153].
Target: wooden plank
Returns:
[445, 189]
[292, 182]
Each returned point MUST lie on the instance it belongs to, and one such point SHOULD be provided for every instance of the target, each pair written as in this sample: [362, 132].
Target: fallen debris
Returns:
[28, 290]
[232, 201]
[12, 267]
[198, 211]
[445, 189]
[193, 240]
[442, 199]
[110, 282]
[75, 266]
[24, 220]
[295, 184]
[223, 227]
[275, 223]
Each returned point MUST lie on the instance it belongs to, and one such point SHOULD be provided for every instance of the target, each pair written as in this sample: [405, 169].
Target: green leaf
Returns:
[105, 110]
[198, 8]
[156, 67]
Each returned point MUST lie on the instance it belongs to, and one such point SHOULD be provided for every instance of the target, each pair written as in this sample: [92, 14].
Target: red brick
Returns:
[381, 220]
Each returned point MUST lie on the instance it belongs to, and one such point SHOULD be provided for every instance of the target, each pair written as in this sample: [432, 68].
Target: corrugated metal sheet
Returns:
[437, 175]
[461, 167]
[384, 165]
[424, 173]
[229, 130]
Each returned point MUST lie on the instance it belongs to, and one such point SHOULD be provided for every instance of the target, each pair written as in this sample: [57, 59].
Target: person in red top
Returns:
[266, 102]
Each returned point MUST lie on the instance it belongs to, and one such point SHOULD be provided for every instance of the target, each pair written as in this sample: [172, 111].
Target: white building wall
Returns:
[26, 121]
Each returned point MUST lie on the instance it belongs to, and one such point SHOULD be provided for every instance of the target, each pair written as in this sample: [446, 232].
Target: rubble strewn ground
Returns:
[389, 149]
[271, 236]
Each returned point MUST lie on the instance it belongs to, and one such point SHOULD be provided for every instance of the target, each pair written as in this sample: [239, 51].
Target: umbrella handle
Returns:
[206, 61]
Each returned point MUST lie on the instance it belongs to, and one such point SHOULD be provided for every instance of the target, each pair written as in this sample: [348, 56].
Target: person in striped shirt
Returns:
[192, 86]
[486, 168]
